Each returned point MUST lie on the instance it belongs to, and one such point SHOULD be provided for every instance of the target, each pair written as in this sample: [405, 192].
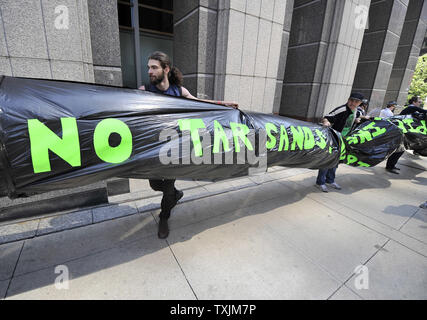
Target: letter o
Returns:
[103, 149]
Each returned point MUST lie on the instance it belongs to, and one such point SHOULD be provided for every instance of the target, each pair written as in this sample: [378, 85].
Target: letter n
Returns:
[42, 139]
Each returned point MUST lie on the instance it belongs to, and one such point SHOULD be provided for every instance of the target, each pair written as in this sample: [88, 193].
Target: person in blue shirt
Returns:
[167, 79]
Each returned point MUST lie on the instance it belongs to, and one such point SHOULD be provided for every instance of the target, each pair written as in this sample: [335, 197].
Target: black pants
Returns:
[391, 162]
[169, 195]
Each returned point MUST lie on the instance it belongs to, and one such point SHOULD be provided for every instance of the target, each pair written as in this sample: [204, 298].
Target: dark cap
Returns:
[391, 103]
[357, 96]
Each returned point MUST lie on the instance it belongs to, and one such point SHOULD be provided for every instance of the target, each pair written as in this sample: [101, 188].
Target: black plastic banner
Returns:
[59, 134]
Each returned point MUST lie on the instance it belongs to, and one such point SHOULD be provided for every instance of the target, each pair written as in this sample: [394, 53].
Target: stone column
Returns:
[234, 53]
[105, 41]
[324, 47]
[45, 39]
[283, 55]
[414, 30]
[195, 24]
[379, 47]
[250, 36]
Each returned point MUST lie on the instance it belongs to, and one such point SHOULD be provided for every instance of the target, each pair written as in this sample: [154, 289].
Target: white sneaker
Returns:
[322, 187]
[335, 185]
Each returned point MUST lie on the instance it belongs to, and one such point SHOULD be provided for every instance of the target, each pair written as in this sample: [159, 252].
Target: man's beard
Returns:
[158, 79]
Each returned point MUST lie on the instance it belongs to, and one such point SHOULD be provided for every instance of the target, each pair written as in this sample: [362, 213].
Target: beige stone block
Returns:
[31, 68]
[235, 42]
[231, 92]
[267, 9]
[250, 45]
[279, 11]
[239, 5]
[274, 53]
[258, 94]
[269, 92]
[253, 7]
[263, 48]
[245, 92]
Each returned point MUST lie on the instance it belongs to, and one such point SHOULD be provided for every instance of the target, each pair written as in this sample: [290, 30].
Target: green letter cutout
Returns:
[297, 137]
[268, 128]
[240, 130]
[102, 133]
[308, 138]
[219, 134]
[193, 125]
[284, 139]
[322, 142]
[42, 139]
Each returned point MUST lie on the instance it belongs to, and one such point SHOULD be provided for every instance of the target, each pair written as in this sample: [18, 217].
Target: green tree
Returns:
[419, 80]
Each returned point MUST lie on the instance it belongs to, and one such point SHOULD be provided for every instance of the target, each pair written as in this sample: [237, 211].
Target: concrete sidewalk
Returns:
[274, 236]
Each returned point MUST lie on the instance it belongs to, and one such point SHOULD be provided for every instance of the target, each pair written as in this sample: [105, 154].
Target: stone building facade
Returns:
[297, 58]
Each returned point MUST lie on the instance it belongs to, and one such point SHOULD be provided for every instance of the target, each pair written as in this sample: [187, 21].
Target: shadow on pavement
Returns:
[129, 238]
[126, 239]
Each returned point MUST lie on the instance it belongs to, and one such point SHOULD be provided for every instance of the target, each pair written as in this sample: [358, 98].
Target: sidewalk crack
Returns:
[14, 269]
[408, 219]
[185, 276]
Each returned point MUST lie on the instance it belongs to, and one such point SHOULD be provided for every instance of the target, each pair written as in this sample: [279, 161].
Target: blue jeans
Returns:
[326, 176]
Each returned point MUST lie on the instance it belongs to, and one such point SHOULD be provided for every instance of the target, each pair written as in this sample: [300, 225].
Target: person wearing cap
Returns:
[363, 108]
[414, 106]
[388, 111]
[342, 120]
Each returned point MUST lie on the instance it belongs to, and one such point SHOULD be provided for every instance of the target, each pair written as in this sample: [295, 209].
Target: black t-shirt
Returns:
[173, 90]
[412, 109]
[338, 117]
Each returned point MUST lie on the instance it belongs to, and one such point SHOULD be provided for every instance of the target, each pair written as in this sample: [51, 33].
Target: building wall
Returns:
[248, 54]
[195, 34]
[235, 52]
[324, 48]
[407, 53]
[105, 41]
[380, 44]
[341, 59]
[37, 42]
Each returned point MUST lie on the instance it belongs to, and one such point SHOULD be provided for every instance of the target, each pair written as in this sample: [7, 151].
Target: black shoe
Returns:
[396, 168]
[178, 194]
[163, 229]
[392, 171]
